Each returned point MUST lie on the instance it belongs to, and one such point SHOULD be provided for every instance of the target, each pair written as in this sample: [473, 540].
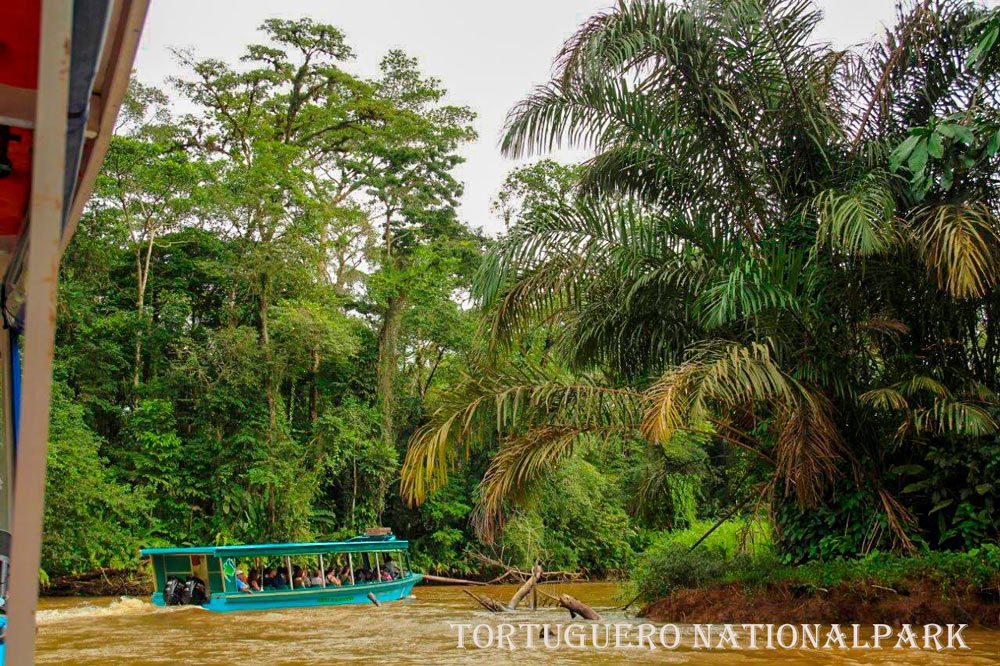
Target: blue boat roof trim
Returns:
[356, 545]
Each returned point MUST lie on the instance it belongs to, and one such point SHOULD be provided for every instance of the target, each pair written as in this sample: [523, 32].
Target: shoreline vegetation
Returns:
[735, 574]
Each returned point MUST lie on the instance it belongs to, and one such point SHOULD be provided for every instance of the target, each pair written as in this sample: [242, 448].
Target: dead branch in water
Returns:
[489, 604]
[522, 592]
[577, 607]
[573, 605]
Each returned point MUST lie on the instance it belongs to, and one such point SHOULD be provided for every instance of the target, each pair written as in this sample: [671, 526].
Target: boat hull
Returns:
[310, 597]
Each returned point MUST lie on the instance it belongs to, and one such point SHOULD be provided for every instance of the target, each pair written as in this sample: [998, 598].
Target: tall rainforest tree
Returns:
[307, 156]
[414, 195]
[785, 248]
[150, 185]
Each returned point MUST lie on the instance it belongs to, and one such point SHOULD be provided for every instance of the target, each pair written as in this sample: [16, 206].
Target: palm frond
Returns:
[499, 405]
[859, 221]
[960, 244]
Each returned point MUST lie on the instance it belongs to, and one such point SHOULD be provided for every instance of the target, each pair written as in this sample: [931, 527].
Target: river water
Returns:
[416, 630]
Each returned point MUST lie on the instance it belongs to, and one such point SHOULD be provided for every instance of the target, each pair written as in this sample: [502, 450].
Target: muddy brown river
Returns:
[413, 631]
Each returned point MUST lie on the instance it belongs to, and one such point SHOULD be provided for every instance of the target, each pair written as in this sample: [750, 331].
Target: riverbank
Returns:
[917, 602]
[712, 586]
[104, 582]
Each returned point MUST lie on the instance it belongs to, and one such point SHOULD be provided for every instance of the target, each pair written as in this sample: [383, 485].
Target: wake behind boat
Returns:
[372, 567]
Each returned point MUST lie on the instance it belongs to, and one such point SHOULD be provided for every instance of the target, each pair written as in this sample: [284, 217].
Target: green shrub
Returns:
[665, 569]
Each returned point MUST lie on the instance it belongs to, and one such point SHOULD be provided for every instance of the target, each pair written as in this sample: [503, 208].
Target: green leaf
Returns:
[982, 48]
[935, 146]
[909, 470]
[914, 487]
[993, 144]
[902, 151]
[947, 179]
[918, 158]
[964, 134]
[984, 488]
[940, 505]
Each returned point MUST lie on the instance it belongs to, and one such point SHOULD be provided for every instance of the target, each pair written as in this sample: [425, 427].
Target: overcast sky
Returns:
[488, 53]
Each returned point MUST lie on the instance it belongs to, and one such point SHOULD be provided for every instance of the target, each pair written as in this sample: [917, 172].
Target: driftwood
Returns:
[489, 604]
[374, 600]
[528, 586]
[577, 607]
[450, 581]
[574, 606]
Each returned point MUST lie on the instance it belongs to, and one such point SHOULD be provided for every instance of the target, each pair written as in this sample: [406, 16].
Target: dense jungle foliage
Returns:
[772, 292]
[778, 246]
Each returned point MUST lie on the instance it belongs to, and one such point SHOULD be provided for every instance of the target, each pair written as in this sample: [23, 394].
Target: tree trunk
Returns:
[387, 360]
[142, 279]
[138, 341]
[265, 339]
[313, 409]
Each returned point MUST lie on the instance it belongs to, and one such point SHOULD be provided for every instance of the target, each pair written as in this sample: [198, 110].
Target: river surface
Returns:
[416, 630]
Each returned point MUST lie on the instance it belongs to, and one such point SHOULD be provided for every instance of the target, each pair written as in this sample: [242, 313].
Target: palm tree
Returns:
[788, 247]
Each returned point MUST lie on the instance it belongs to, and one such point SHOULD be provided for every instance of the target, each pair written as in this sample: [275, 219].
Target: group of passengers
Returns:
[275, 578]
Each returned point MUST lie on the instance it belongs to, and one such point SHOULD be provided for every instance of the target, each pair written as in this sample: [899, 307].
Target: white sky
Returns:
[487, 53]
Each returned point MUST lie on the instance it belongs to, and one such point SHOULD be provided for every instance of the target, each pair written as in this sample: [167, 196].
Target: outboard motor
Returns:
[173, 592]
[195, 591]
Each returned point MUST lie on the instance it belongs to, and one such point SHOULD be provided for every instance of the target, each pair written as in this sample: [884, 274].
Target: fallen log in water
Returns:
[373, 599]
[522, 592]
[574, 606]
[450, 581]
[489, 604]
[577, 607]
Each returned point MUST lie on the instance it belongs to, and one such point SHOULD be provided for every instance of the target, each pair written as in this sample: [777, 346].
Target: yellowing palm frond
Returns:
[725, 372]
[960, 244]
[508, 406]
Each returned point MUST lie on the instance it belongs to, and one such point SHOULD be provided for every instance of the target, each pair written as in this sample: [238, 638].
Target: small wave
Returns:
[123, 606]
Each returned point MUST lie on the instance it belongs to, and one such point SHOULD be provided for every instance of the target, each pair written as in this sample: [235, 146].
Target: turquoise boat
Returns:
[376, 567]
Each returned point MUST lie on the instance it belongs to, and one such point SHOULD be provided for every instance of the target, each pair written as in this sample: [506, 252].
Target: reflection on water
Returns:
[132, 631]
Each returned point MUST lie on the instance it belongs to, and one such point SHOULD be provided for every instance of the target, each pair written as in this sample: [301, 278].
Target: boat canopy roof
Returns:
[360, 544]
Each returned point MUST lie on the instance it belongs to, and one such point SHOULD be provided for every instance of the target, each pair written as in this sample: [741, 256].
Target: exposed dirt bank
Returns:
[919, 602]
[101, 583]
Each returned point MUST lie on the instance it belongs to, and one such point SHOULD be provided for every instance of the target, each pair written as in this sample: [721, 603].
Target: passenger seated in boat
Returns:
[331, 578]
[344, 574]
[254, 581]
[271, 578]
[364, 575]
[316, 580]
[241, 582]
[279, 581]
[299, 579]
[392, 568]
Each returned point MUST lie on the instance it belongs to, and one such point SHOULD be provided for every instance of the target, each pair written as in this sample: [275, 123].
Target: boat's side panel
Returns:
[329, 596]
[159, 579]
